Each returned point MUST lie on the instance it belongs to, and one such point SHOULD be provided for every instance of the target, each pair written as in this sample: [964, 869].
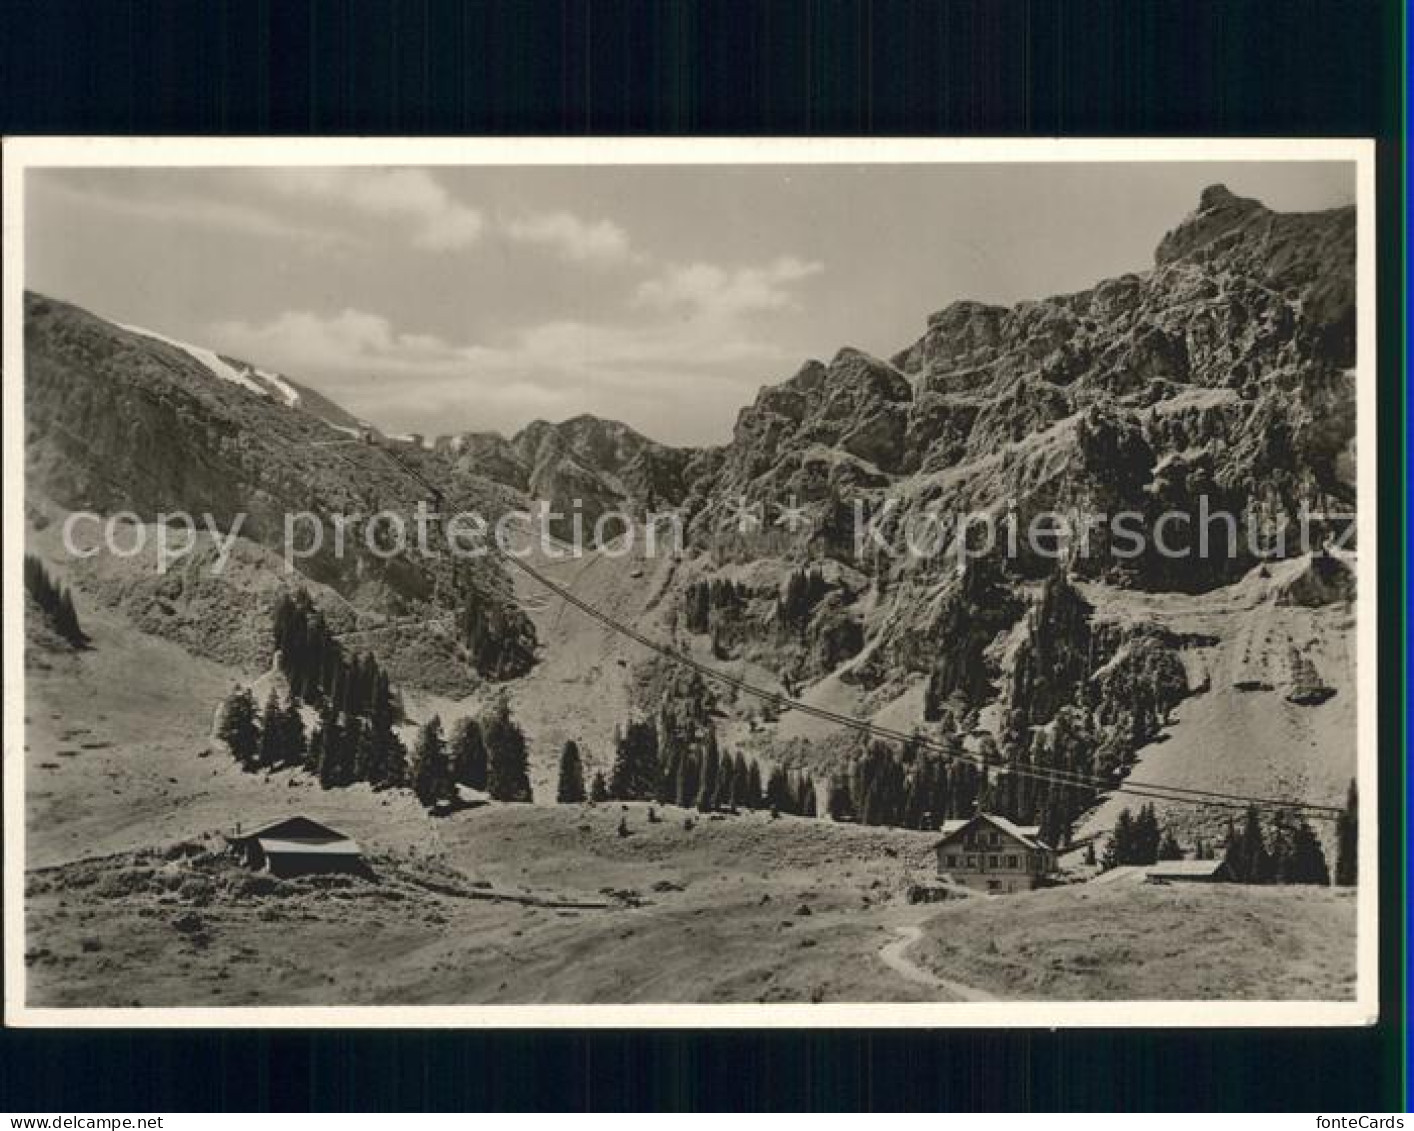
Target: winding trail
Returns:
[894, 958]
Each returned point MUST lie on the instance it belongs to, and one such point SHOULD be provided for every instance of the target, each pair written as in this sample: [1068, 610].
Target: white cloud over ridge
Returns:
[582, 241]
[649, 373]
[439, 222]
[711, 291]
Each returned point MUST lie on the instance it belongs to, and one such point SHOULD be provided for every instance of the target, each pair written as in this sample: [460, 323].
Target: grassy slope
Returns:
[114, 766]
[1145, 941]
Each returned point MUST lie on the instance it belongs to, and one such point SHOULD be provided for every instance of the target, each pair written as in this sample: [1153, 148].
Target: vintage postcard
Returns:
[689, 583]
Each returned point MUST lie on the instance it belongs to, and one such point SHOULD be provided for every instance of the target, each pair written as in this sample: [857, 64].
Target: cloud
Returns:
[716, 292]
[193, 210]
[675, 376]
[583, 241]
[660, 373]
[352, 340]
[439, 222]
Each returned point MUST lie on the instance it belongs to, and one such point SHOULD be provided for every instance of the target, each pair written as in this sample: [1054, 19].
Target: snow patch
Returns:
[286, 390]
[218, 367]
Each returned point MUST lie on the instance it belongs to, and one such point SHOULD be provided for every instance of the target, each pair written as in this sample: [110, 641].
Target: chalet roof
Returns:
[1028, 835]
[308, 847]
[293, 828]
[1184, 868]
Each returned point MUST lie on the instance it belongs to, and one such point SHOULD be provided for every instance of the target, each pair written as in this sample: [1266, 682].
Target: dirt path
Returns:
[894, 958]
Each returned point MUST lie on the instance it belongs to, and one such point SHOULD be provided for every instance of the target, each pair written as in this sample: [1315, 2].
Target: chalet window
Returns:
[991, 861]
[1011, 861]
[952, 860]
[972, 861]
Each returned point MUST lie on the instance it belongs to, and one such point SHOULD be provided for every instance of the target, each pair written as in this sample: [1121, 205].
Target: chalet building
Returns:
[297, 846]
[1188, 872]
[990, 854]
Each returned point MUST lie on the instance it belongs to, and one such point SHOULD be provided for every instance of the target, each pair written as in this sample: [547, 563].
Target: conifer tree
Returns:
[689, 773]
[431, 772]
[468, 754]
[1119, 849]
[1146, 837]
[711, 767]
[272, 733]
[507, 760]
[392, 759]
[809, 803]
[839, 804]
[1306, 862]
[314, 752]
[388, 759]
[669, 764]
[335, 761]
[726, 784]
[741, 783]
[570, 789]
[366, 753]
[1169, 848]
[66, 620]
[239, 728]
[598, 788]
[778, 792]
[1055, 825]
[1347, 840]
[53, 600]
[756, 793]
[634, 775]
[1246, 855]
[292, 733]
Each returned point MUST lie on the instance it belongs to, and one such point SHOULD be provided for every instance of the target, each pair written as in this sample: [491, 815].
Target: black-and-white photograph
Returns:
[690, 583]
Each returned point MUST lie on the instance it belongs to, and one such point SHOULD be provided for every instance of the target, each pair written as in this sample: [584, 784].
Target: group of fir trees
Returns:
[340, 750]
[1287, 852]
[54, 601]
[905, 786]
[1138, 839]
[488, 754]
[804, 589]
[354, 739]
[702, 597]
[570, 789]
[315, 664]
[498, 637]
[651, 765]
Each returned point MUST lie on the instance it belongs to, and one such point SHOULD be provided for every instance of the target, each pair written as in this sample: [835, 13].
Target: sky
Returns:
[441, 299]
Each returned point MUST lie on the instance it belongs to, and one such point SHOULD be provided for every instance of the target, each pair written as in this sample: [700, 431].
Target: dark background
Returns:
[923, 67]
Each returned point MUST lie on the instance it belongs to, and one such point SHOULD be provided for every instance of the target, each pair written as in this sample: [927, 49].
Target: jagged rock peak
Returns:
[855, 367]
[1219, 212]
[1220, 196]
[964, 311]
[809, 376]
